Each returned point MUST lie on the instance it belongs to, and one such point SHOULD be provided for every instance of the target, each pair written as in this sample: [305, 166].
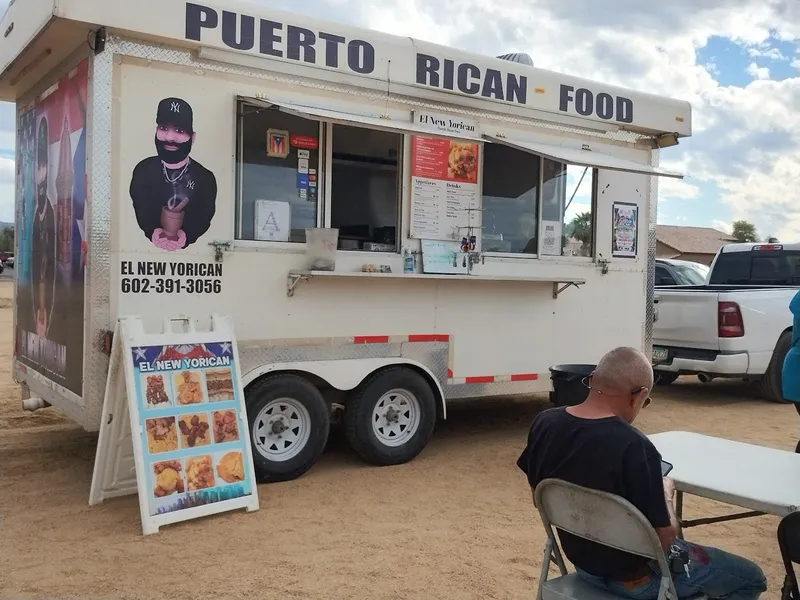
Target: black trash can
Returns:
[568, 387]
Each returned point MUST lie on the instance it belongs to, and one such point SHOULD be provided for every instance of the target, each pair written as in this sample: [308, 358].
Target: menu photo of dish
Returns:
[219, 383]
[195, 430]
[157, 389]
[189, 387]
[230, 467]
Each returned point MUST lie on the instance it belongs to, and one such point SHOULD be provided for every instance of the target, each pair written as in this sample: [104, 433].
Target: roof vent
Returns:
[518, 57]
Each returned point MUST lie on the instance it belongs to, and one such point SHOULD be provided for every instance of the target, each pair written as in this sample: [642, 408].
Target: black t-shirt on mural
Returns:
[603, 454]
[152, 188]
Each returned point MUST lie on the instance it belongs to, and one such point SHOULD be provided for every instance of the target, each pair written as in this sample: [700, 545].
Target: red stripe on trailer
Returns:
[430, 337]
[483, 379]
[525, 377]
[371, 339]
[449, 373]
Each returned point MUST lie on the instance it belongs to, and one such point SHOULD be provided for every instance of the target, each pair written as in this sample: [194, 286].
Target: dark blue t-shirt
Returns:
[603, 454]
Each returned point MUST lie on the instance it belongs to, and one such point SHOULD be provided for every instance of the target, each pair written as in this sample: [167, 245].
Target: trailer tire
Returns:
[772, 381]
[390, 417]
[665, 377]
[280, 404]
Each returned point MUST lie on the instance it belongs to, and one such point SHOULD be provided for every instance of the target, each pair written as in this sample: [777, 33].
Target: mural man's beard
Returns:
[173, 157]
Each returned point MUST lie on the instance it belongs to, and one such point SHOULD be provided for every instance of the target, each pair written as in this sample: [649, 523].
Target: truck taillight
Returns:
[730, 323]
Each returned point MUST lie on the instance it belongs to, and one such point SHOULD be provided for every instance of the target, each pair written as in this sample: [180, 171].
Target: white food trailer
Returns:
[492, 219]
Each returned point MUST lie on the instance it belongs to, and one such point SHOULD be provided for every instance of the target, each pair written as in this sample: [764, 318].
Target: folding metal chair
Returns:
[602, 518]
[789, 544]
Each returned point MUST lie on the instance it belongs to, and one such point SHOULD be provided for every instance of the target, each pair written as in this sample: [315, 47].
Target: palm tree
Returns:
[581, 230]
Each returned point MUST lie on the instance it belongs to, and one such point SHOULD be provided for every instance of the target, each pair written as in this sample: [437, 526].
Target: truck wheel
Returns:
[665, 377]
[390, 417]
[772, 381]
[289, 425]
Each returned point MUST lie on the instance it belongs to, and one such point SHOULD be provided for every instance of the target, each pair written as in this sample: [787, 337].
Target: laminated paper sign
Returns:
[445, 198]
[625, 230]
[189, 432]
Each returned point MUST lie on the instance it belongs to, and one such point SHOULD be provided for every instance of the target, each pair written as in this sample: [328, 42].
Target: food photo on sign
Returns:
[194, 451]
[174, 196]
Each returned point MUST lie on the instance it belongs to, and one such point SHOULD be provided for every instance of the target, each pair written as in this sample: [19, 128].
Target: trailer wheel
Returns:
[289, 425]
[772, 381]
[390, 417]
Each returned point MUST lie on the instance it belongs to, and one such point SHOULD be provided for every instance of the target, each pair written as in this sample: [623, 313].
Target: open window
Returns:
[568, 209]
[365, 187]
[511, 179]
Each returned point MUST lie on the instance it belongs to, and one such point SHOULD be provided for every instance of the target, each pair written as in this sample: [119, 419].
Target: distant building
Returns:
[698, 244]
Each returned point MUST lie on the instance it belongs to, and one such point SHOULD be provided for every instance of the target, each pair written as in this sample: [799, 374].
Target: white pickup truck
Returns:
[737, 325]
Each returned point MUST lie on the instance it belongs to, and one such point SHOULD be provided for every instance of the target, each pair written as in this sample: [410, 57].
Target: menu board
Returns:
[193, 433]
[445, 198]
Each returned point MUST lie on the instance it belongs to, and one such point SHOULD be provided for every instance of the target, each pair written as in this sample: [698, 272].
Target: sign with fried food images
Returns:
[188, 421]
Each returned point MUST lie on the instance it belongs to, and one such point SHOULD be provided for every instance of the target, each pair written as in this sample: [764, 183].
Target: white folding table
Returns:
[764, 480]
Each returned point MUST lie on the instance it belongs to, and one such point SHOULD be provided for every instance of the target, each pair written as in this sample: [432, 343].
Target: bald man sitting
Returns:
[594, 445]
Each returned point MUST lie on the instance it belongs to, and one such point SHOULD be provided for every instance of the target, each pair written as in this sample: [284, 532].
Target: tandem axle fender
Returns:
[345, 375]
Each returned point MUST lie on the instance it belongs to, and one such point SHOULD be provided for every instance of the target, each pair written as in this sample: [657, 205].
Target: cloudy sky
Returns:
[736, 61]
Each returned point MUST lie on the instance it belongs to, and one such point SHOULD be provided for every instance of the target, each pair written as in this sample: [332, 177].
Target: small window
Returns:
[567, 209]
[510, 197]
[365, 188]
[663, 276]
[279, 171]
[757, 268]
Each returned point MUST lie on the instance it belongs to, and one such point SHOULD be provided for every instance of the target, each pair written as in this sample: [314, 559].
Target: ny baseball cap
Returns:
[175, 112]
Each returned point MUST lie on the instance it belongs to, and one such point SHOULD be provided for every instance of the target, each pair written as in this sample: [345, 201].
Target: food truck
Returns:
[390, 224]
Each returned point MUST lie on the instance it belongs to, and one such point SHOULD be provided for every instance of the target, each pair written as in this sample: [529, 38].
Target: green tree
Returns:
[581, 229]
[744, 231]
[7, 240]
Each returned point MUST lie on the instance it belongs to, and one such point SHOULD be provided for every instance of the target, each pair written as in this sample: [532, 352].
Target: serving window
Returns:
[515, 184]
[365, 187]
[511, 181]
[568, 208]
[279, 173]
[303, 167]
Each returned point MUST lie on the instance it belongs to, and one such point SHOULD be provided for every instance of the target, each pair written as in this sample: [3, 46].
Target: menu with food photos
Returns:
[445, 198]
[194, 435]
[185, 424]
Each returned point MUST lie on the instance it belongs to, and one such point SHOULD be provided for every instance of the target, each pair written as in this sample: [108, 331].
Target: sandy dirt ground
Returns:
[457, 522]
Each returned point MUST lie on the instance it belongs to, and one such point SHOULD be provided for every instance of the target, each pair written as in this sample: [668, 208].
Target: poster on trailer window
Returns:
[444, 188]
[624, 230]
[51, 253]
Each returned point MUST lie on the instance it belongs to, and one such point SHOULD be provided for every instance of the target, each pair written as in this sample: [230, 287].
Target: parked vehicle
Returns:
[736, 325]
[673, 271]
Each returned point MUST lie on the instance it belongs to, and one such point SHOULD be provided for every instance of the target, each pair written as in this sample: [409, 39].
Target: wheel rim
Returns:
[281, 429]
[395, 418]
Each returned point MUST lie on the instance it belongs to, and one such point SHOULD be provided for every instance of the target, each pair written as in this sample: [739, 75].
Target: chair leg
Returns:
[548, 553]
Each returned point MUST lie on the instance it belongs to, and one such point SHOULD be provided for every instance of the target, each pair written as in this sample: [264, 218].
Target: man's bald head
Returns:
[626, 369]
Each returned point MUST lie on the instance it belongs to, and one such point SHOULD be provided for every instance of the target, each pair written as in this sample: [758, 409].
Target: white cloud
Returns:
[722, 225]
[676, 188]
[757, 72]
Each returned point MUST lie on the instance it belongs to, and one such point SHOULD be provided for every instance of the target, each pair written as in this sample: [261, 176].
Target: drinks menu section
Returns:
[444, 186]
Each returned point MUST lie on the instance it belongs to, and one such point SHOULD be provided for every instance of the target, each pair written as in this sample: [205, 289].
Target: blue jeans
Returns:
[717, 574]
